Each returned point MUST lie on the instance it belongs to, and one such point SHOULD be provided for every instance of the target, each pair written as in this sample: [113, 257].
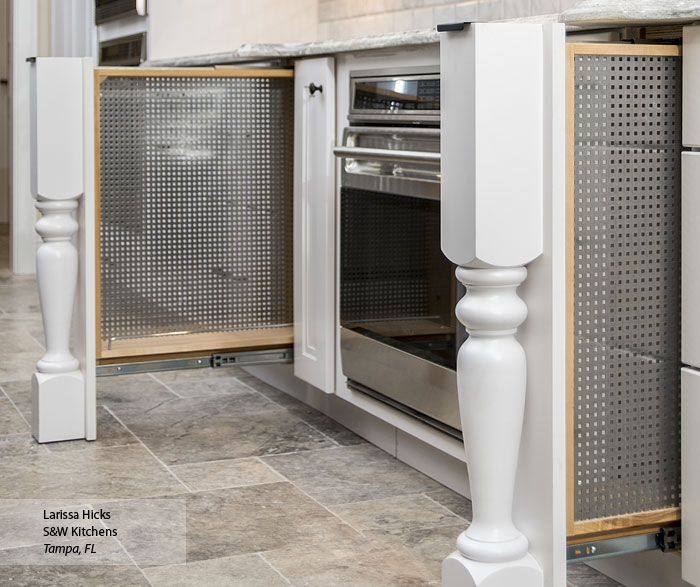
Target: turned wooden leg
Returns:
[57, 277]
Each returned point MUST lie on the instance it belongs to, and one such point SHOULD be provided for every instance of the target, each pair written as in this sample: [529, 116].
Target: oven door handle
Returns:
[386, 155]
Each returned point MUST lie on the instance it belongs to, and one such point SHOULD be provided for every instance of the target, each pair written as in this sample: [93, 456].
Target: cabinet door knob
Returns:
[313, 88]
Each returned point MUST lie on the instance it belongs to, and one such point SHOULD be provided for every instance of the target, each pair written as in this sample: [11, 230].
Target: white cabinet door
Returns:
[314, 213]
[690, 310]
[690, 474]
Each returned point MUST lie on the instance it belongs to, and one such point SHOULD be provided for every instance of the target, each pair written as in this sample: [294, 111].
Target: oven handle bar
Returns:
[393, 130]
[386, 155]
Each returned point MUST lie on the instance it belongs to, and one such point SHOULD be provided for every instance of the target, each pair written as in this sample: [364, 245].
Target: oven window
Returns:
[396, 286]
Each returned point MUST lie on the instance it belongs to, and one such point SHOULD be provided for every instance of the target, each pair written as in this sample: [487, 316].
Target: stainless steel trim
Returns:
[153, 366]
[264, 357]
[360, 114]
[421, 385]
[616, 546]
[386, 155]
[392, 130]
[418, 177]
[391, 118]
[397, 72]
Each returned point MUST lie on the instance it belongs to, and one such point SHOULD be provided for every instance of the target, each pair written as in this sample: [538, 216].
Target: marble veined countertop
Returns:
[586, 14]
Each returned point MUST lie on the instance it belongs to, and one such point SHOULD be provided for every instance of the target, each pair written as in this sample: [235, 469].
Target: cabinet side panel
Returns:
[314, 222]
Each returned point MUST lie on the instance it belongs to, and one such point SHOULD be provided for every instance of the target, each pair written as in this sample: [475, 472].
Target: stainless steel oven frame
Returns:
[403, 161]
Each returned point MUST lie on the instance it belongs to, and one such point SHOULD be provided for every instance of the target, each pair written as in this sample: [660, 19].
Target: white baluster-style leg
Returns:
[58, 405]
[491, 377]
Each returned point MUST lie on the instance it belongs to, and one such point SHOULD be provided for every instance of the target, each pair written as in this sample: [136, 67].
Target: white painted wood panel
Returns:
[690, 474]
[691, 86]
[690, 259]
[314, 228]
[57, 125]
[492, 84]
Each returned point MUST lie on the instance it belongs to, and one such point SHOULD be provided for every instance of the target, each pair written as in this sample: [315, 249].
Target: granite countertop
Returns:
[587, 14]
[266, 51]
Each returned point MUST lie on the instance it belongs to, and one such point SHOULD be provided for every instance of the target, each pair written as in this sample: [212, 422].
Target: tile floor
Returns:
[276, 493]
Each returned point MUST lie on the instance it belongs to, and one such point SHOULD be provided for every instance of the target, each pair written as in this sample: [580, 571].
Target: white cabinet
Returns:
[690, 476]
[314, 213]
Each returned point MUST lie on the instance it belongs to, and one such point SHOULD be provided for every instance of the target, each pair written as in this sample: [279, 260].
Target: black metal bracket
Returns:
[668, 539]
[452, 26]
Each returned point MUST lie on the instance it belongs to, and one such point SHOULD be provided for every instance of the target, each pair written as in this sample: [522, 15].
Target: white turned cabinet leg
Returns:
[491, 377]
[58, 404]
[57, 276]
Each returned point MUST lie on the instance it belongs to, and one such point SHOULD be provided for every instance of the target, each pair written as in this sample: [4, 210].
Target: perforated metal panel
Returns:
[195, 204]
[626, 284]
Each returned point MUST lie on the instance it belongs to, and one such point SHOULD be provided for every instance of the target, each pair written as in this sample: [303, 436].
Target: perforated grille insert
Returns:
[196, 204]
[626, 284]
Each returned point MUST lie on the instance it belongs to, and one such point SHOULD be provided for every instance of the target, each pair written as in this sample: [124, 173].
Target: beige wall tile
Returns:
[566, 4]
[467, 11]
[403, 20]
[516, 8]
[444, 14]
[422, 18]
[544, 7]
[490, 10]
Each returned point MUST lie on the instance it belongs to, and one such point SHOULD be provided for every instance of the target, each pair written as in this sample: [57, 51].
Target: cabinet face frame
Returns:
[184, 345]
[629, 524]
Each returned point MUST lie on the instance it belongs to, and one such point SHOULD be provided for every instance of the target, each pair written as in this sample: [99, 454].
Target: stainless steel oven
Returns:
[399, 335]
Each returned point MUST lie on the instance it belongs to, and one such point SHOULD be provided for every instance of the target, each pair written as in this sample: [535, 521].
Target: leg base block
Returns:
[58, 406]
[458, 571]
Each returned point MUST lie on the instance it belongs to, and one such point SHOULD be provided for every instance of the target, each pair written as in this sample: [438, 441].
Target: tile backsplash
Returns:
[342, 19]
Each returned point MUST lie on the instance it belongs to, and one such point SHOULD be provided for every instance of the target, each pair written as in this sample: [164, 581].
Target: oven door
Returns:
[399, 335]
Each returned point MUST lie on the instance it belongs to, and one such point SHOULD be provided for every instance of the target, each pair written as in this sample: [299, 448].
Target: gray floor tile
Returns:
[228, 473]
[120, 472]
[19, 365]
[106, 551]
[396, 514]
[313, 417]
[221, 427]
[220, 385]
[454, 502]
[429, 546]
[364, 562]
[350, 474]
[244, 520]
[152, 530]
[19, 296]
[248, 570]
[203, 374]
[73, 576]
[137, 393]
[20, 392]
[109, 433]
[11, 422]
[19, 445]
[15, 338]
[581, 575]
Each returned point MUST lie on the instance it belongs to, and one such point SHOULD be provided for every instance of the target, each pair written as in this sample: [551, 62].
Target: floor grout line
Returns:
[63, 452]
[126, 552]
[312, 498]
[269, 564]
[14, 405]
[152, 376]
[446, 508]
[289, 411]
[166, 467]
